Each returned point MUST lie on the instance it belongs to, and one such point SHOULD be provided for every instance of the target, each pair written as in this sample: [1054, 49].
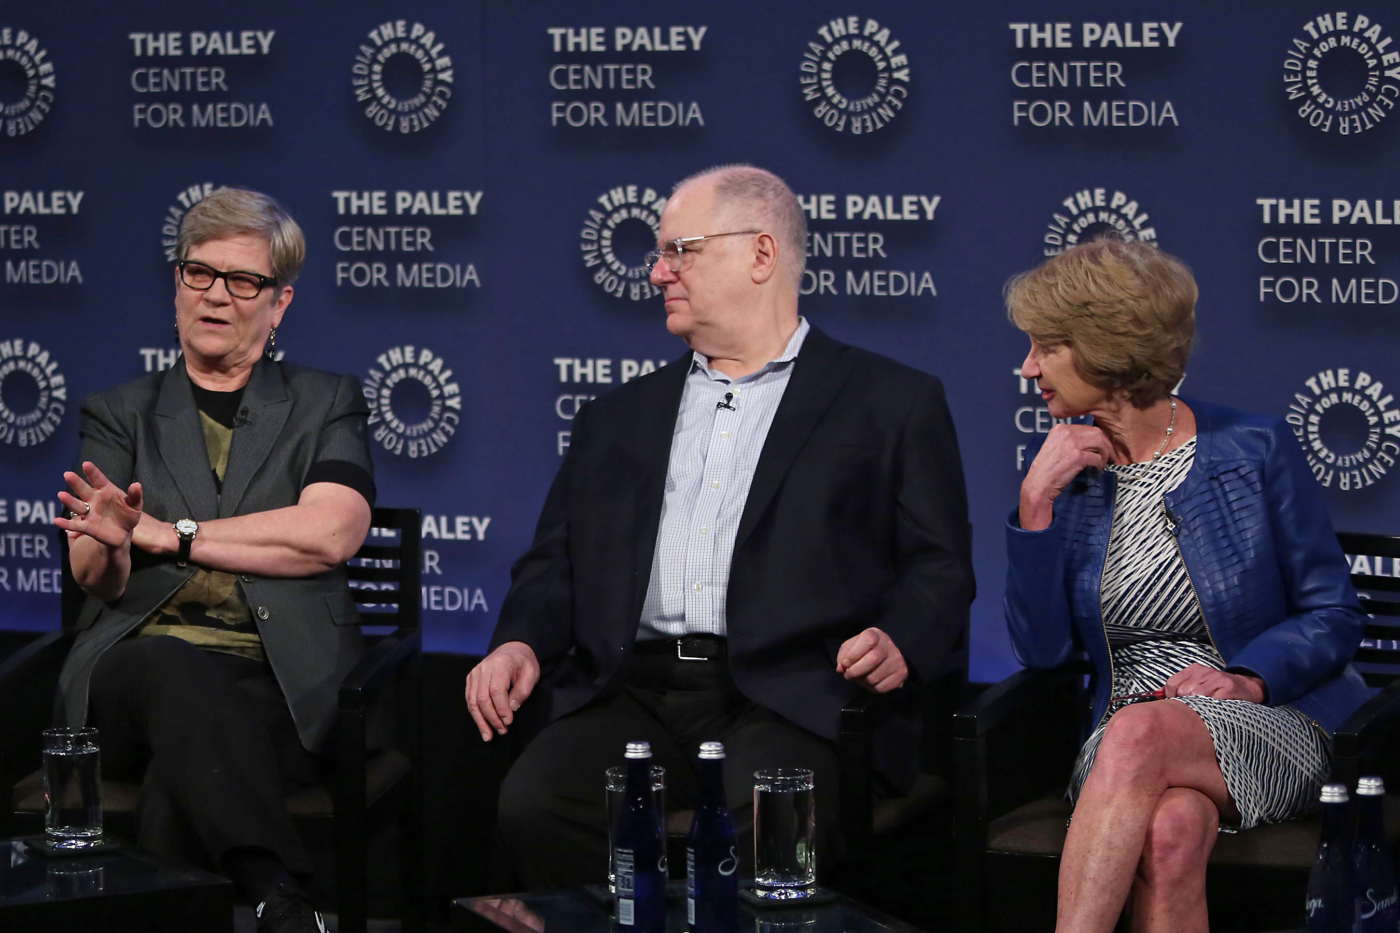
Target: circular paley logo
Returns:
[1344, 72]
[27, 82]
[854, 76]
[403, 76]
[175, 213]
[414, 405]
[1093, 212]
[1348, 426]
[617, 235]
[33, 393]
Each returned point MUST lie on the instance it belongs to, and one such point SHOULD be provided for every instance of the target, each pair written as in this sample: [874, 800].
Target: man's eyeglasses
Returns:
[239, 284]
[672, 251]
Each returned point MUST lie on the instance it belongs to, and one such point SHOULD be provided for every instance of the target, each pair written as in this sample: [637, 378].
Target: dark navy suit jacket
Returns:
[857, 516]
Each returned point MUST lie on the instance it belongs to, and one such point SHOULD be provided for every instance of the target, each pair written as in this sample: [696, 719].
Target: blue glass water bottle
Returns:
[639, 850]
[1328, 904]
[711, 853]
[1375, 901]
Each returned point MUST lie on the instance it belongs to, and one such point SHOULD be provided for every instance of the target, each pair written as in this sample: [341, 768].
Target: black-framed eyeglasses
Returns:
[240, 284]
[673, 250]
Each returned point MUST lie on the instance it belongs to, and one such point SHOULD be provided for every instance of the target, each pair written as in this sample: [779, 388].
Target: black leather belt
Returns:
[689, 648]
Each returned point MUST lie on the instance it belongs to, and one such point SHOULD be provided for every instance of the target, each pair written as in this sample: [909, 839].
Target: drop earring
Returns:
[272, 343]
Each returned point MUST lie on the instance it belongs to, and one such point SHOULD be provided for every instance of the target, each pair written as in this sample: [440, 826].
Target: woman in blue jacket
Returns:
[1186, 548]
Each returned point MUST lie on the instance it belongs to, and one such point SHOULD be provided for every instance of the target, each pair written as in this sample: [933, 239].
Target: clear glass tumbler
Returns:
[615, 792]
[785, 823]
[72, 788]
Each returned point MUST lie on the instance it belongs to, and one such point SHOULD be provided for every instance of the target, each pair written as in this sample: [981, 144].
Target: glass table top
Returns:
[28, 879]
[577, 912]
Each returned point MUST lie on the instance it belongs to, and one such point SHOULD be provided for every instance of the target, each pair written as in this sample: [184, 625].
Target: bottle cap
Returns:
[711, 750]
[638, 749]
[1334, 793]
[1371, 786]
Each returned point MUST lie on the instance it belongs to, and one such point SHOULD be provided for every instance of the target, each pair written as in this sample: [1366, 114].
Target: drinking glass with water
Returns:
[72, 788]
[785, 822]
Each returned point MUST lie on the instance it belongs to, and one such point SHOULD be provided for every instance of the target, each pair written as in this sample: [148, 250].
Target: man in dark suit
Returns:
[733, 545]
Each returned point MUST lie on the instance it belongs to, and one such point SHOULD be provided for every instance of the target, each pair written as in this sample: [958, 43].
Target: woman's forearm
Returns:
[325, 528]
[102, 571]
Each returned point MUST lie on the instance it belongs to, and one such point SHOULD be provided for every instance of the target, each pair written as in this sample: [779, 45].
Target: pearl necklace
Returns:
[1137, 471]
[1171, 426]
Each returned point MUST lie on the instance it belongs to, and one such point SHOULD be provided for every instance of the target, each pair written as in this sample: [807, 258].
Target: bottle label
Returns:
[624, 865]
[1373, 902]
[690, 910]
[626, 915]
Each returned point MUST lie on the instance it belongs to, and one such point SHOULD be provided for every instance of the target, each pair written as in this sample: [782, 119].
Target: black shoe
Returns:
[289, 911]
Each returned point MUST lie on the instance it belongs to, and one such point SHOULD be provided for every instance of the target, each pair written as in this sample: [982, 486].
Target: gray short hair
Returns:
[748, 193]
[232, 211]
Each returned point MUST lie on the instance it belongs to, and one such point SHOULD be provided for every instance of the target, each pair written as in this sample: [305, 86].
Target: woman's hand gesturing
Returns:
[101, 510]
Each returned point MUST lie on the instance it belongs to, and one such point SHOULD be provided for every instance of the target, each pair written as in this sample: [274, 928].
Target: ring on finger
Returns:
[89, 509]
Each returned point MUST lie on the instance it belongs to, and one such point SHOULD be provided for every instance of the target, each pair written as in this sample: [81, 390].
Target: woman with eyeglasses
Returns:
[1186, 548]
[209, 523]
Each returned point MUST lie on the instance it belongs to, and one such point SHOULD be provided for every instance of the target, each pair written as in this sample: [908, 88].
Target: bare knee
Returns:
[1179, 838]
[1132, 746]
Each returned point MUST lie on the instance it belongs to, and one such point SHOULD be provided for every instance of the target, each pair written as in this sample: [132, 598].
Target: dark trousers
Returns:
[211, 740]
[552, 820]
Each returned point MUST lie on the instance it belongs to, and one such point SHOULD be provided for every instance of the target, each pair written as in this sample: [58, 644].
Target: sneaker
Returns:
[289, 911]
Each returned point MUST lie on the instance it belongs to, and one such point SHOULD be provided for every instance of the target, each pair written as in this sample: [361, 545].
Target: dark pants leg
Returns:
[552, 818]
[212, 740]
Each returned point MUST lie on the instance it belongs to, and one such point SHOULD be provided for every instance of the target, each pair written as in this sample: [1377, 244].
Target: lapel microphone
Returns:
[242, 417]
[728, 397]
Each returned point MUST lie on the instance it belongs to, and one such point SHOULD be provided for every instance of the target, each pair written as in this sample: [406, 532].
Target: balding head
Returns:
[750, 198]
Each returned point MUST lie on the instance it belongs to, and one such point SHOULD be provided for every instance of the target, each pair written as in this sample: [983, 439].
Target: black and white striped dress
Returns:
[1274, 759]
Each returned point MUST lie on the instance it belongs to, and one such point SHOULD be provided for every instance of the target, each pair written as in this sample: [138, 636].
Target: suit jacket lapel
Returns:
[180, 440]
[818, 373]
[267, 407]
[654, 428]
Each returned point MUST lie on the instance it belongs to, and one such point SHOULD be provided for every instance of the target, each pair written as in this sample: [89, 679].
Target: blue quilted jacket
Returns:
[1254, 532]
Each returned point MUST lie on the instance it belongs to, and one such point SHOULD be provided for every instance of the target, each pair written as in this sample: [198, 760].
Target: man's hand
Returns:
[1197, 680]
[872, 660]
[499, 684]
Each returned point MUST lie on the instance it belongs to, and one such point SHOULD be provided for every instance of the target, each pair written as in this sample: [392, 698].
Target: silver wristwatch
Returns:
[185, 529]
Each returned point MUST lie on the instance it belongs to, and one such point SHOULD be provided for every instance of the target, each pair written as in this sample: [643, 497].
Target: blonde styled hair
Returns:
[233, 211]
[1127, 311]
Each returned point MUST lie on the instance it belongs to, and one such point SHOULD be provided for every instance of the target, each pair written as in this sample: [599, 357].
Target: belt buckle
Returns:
[680, 652]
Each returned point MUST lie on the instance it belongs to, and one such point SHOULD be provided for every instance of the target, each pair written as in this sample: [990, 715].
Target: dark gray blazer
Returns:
[290, 418]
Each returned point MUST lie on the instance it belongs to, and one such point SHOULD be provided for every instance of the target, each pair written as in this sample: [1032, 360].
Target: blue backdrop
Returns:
[478, 182]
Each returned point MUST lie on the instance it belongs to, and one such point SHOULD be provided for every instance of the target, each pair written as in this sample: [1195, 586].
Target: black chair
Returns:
[1016, 743]
[368, 788]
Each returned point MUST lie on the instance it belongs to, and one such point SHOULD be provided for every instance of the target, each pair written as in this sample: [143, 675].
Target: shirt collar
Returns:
[701, 362]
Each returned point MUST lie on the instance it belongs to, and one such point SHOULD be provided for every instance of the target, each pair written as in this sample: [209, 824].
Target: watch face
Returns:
[186, 526]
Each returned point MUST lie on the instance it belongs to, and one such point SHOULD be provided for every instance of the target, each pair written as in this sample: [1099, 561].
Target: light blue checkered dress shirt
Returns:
[714, 452]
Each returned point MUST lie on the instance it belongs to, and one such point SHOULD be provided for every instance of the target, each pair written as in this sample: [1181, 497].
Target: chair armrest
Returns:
[859, 717]
[1011, 745]
[1015, 696]
[1362, 735]
[379, 662]
[1015, 742]
[48, 648]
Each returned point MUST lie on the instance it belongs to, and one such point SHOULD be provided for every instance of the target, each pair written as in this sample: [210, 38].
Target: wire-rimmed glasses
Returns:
[240, 283]
[673, 250]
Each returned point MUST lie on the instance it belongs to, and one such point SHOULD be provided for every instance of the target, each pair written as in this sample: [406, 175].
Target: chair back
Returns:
[384, 573]
[1375, 572]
